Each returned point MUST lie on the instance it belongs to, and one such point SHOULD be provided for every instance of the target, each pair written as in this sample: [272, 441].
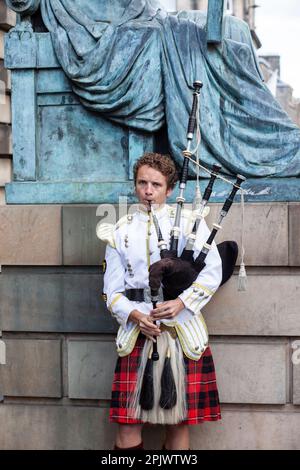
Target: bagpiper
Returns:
[180, 330]
[161, 269]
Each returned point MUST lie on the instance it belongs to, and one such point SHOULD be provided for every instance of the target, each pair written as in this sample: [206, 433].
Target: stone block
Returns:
[5, 109]
[5, 140]
[5, 77]
[80, 243]
[248, 429]
[5, 170]
[251, 372]
[91, 365]
[30, 235]
[263, 222]
[81, 246]
[55, 427]
[2, 197]
[54, 301]
[7, 16]
[33, 368]
[296, 370]
[270, 306]
[294, 234]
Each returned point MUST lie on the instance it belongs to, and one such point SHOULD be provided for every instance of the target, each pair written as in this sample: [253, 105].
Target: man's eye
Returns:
[156, 184]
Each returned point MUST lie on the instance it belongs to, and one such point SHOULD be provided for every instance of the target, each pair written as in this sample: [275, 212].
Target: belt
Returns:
[170, 329]
[142, 295]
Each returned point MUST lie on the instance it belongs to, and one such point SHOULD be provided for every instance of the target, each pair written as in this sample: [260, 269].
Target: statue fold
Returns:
[135, 64]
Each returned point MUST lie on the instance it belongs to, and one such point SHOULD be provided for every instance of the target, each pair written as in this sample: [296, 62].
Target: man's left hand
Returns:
[168, 309]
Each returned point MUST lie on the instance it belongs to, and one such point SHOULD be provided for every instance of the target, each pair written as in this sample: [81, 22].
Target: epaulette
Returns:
[125, 219]
[105, 232]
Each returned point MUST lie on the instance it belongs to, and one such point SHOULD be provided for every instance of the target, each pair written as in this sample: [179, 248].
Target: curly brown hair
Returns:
[162, 163]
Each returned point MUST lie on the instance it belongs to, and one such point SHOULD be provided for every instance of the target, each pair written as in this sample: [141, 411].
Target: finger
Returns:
[150, 333]
[162, 313]
[150, 329]
[155, 310]
[151, 325]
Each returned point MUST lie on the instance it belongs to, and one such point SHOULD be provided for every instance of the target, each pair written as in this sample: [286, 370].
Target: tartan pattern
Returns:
[201, 388]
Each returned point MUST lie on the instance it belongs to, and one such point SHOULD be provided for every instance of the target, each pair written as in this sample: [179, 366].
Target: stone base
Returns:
[258, 190]
[41, 427]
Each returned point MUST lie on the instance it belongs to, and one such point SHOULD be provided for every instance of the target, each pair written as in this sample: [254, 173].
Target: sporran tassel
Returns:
[147, 390]
[168, 397]
[157, 414]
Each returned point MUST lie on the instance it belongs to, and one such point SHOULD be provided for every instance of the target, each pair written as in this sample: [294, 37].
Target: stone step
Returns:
[50, 428]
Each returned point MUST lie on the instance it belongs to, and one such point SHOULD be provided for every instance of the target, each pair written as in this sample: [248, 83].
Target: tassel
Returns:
[168, 397]
[242, 279]
[147, 391]
[198, 198]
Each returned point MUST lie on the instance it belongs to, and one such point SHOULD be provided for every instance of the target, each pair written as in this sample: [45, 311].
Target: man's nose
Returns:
[149, 188]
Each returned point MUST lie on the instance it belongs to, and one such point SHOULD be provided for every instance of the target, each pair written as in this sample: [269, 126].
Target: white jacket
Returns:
[132, 247]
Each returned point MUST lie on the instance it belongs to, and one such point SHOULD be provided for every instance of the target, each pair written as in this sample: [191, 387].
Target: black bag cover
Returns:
[176, 274]
[228, 252]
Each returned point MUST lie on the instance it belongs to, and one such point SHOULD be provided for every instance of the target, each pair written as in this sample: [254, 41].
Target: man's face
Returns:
[151, 185]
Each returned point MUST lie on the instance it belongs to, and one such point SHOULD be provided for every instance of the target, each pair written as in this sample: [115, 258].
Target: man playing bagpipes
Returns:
[161, 269]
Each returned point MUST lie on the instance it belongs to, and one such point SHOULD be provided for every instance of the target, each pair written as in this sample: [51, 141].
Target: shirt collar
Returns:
[160, 211]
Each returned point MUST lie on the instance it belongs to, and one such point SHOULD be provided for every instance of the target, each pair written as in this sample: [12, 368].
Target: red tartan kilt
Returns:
[201, 388]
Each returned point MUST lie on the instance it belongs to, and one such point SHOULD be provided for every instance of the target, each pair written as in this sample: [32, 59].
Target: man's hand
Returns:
[145, 322]
[168, 309]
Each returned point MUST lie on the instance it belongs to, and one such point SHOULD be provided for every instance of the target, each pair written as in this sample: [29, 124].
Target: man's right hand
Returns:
[146, 324]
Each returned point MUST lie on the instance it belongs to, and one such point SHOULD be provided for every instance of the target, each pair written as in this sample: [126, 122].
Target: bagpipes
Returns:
[175, 272]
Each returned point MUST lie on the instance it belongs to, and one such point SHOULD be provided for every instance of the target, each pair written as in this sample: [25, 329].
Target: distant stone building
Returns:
[270, 65]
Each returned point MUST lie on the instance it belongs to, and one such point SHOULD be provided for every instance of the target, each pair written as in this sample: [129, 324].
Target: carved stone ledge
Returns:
[23, 7]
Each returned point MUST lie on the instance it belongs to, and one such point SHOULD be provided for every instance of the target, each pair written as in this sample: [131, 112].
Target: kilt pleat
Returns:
[201, 388]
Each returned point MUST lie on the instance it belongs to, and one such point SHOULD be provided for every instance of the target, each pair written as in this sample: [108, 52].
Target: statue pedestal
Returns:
[64, 153]
[257, 190]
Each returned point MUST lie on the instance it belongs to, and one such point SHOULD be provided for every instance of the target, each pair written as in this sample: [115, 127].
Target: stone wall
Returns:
[59, 336]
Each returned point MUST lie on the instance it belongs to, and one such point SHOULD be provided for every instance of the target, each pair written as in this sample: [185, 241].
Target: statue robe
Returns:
[137, 68]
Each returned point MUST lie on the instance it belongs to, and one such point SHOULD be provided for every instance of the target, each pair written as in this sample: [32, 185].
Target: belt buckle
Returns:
[160, 295]
[147, 295]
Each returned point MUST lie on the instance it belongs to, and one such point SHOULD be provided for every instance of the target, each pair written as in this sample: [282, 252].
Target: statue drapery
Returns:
[137, 70]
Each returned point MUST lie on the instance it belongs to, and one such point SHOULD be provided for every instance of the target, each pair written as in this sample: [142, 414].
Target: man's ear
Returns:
[169, 192]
